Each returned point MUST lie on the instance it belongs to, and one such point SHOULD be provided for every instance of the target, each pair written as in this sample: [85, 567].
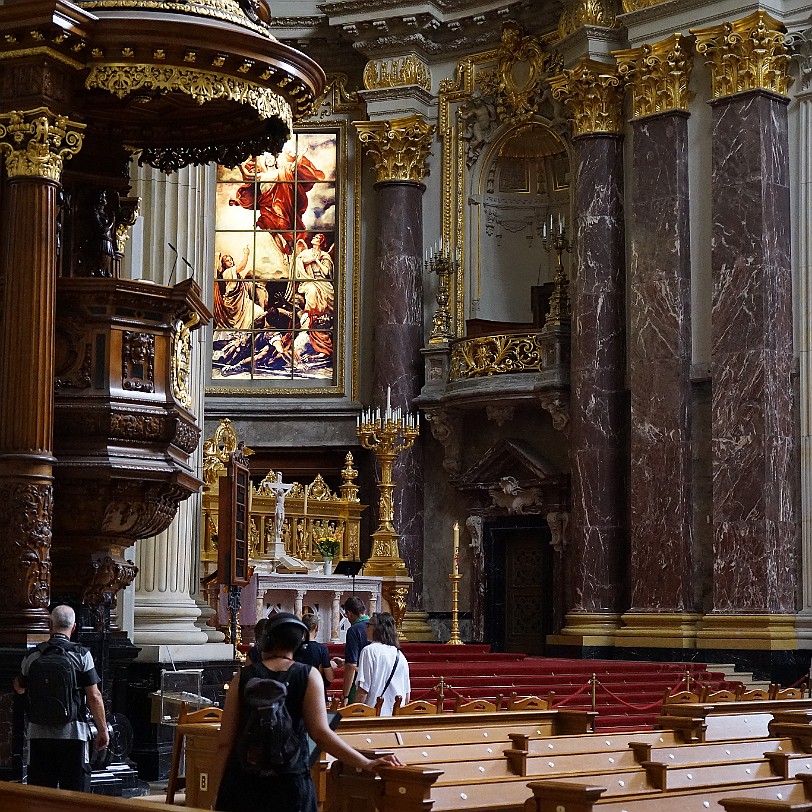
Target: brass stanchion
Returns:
[455, 640]
[594, 682]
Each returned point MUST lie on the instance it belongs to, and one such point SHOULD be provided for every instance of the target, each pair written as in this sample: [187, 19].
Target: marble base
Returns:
[416, 628]
[760, 632]
[803, 629]
[658, 630]
[587, 629]
[168, 654]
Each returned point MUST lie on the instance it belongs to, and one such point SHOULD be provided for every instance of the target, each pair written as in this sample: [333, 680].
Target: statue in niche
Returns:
[477, 119]
[97, 251]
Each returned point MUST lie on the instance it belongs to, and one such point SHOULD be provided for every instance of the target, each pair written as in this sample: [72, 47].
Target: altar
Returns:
[322, 595]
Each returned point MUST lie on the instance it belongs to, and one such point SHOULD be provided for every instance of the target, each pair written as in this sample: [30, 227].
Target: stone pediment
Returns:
[513, 459]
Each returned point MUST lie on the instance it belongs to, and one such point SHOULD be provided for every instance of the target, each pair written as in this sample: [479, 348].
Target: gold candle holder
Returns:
[443, 265]
[556, 240]
[455, 639]
[387, 435]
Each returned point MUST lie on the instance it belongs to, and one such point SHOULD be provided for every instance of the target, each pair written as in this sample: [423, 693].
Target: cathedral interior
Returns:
[528, 273]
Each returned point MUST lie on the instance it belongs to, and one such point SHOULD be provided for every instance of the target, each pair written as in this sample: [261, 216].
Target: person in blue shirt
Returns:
[356, 611]
[311, 652]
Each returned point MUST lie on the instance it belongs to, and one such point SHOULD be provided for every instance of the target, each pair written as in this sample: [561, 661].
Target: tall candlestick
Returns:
[456, 548]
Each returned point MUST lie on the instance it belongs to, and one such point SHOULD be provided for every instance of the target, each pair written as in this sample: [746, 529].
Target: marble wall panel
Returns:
[754, 445]
[398, 337]
[659, 367]
[598, 409]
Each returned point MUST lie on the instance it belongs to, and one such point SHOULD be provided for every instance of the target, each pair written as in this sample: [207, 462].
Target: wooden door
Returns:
[526, 586]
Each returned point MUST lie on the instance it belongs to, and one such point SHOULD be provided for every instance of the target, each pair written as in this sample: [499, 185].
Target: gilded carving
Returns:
[399, 147]
[658, 75]
[106, 577]
[26, 512]
[636, 5]
[122, 79]
[36, 142]
[217, 448]
[496, 355]
[129, 209]
[138, 361]
[397, 72]
[578, 13]
[748, 54]
[181, 371]
[593, 93]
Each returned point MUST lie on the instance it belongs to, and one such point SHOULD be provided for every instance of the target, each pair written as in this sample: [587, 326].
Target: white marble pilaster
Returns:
[335, 617]
[167, 609]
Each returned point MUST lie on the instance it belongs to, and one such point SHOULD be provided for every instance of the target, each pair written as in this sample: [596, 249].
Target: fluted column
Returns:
[399, 149]
[803, 53]
[659, 349]
[167, 609]
[593, 94]
[35, 144]
[753, 445]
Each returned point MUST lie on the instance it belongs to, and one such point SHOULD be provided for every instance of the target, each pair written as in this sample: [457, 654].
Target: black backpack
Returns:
[54, 695]
[269, 744]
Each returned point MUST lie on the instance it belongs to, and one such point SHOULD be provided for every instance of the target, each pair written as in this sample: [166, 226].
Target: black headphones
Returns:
[281, 619]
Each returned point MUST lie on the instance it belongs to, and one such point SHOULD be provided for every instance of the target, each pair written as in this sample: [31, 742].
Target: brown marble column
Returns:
[593, 94]
[35, 143]
[659, 349]
[753, 442]
[399, 149]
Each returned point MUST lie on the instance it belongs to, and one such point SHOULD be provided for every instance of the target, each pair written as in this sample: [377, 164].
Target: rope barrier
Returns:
[622, 701]
[801, 681]
[573, 696]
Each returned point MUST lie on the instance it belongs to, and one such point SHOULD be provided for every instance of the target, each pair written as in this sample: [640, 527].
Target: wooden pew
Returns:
[24, 798]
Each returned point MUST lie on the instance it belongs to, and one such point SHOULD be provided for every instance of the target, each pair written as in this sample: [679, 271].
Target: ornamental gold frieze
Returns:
[398, 147]
[397, 72]
[181, 370]
[658, 75]
[484, 356]
[745, 55]
[593, 94]
[579, 13]
[123, 79]
[637, 5]
[37, 142]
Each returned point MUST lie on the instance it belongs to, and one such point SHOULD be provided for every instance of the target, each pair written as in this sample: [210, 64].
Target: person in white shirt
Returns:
[382, 669]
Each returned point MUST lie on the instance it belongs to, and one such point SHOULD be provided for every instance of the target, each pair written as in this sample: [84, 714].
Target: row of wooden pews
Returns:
[466, 767]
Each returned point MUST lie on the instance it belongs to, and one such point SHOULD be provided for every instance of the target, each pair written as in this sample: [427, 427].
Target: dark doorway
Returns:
[518, 583]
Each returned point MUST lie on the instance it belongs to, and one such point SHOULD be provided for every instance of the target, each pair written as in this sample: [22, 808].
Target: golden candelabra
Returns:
[455, 640]
[387, 435]
[555, 239]
[443, 265]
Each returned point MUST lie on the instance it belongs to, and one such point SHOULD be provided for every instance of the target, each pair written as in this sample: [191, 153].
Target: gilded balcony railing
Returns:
[501, 354]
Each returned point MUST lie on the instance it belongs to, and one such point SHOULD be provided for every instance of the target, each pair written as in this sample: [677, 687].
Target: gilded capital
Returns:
[636, 5]
[578, 13]
[593, 93]
[658, 75]
[37, 142]
[399, 147]
[398, 72]
[748, 54]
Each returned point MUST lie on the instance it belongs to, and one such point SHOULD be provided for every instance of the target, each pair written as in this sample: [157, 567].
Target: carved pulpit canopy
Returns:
[513, 477]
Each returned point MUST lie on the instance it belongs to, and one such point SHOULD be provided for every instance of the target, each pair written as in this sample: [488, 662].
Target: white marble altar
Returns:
[321, 594]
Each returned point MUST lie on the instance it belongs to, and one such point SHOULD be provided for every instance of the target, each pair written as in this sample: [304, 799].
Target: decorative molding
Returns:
[745, 55]
[122, 79]
[181, 370]
[800, 46]
[106, 577]
[558, 522]
[399, 147]
[37, 142]
[658, 75]
[496, 355]
[578, 13]
[445, 429]
[500, 413]
[593, 93]
[515, 499]
[558, 408]
[138, 361]
[637, 5]
[127, 213]
[27, 517]
[397, 72]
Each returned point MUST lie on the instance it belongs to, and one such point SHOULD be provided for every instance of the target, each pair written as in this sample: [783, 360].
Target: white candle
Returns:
[456, 548]
[388, 402]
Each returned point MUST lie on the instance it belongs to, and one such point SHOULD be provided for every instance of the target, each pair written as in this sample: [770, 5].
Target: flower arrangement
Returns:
[327, 546]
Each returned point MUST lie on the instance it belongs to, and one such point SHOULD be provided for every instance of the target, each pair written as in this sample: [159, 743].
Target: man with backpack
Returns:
[60, 681]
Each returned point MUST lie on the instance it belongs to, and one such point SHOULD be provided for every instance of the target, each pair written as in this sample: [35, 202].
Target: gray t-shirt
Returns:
[71, 730]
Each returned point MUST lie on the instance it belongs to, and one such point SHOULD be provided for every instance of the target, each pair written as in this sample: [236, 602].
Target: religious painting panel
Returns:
[277, 274]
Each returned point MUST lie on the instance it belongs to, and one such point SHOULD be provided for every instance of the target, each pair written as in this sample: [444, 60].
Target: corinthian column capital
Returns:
[399, 147]
[593, 93]
[37, 142]
[748, 54]
[658, 75]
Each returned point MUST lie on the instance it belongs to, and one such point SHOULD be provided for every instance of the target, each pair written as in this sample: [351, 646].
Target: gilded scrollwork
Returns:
[748, 54]
[123, 79]
[578, 13]
[593, 93]
[399, 147]
[181, 371]
[129, 209]
[397, 72]
[37, 142]
[496, 355]
[217, 448]
[658, 75]
[26, 511]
